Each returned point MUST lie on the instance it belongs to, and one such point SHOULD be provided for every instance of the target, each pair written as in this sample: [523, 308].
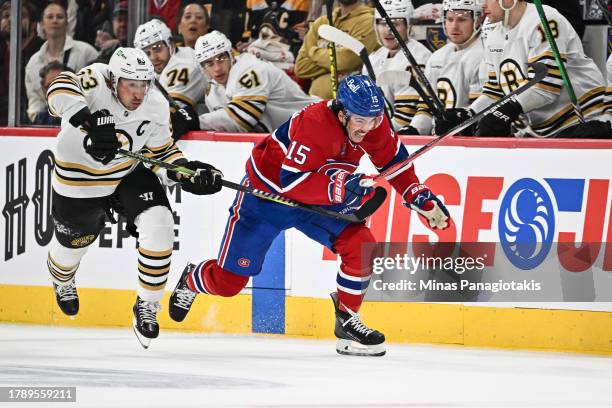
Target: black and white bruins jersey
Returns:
[457, 75]
[547, 104]
[183, 78]
[260, 96]
[404, 98]
[145, 129]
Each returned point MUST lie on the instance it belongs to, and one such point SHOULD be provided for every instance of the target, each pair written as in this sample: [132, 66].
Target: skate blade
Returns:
[144, 341]
[353, 348]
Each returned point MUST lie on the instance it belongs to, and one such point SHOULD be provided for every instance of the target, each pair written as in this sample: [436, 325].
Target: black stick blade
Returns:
[370, 206]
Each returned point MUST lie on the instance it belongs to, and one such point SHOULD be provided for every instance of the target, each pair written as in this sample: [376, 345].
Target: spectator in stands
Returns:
[58, 47]
[47, 74]
[114, 34]
[30, 43]
[91, 15]
[194, 22]
[313, 60]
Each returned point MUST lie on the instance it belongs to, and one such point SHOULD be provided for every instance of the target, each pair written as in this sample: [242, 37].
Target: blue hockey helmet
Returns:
[359, 95]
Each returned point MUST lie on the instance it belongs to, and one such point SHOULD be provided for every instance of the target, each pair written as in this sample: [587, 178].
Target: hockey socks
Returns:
[209, 277]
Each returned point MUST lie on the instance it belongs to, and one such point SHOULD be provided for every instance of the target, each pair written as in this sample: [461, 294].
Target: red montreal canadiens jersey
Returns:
[299, 157]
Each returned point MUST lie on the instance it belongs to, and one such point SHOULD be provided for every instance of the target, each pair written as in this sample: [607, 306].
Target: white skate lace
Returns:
[148, 311]
[184, 297]
[66, 292]
[357, 324]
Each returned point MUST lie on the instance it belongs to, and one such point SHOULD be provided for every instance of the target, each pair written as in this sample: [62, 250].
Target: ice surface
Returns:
[110, 369]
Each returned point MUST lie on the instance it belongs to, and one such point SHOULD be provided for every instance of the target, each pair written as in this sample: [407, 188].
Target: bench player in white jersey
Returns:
[260, 96]
[403, 98]
[518, 39]
[90, 180]
[455, 69]
[177, 70]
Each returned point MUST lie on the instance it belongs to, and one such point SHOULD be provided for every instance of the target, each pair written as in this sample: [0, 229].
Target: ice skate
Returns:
[354, 337]
[145, 321]
[182, 297]
[67, 298]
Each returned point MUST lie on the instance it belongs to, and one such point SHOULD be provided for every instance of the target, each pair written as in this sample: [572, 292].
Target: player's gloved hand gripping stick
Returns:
[102, 143]
[367, 209]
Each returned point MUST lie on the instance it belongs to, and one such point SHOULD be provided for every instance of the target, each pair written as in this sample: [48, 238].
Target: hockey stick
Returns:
[331, 48]
[540, 71]
[336, 36]
[166, 95]
[604, 11]
[367, 209]
[333, 35]
[555, 51]
[422, 85]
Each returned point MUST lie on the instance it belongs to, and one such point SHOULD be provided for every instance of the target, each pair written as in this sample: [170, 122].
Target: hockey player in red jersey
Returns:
[312, 158]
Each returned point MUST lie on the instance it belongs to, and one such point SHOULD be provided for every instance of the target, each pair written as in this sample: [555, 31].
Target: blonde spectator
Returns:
[58, 47]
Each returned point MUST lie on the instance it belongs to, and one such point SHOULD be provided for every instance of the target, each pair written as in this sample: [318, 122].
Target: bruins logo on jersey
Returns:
[447, 93]
[511, 75]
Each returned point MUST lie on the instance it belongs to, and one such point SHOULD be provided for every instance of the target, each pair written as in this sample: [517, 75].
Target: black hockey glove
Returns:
[499, 122]
[593, 129]
[184, 119]
[453, 117]
[408, 130]
[206, 181]
[101, 142]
